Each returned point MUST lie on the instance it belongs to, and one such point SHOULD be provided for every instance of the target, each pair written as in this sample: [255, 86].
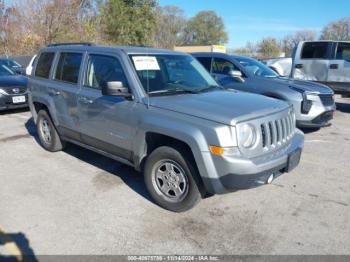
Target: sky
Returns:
[251, 20]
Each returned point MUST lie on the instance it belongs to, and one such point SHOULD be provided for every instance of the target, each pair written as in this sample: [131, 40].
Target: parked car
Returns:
[313, 103]
[326, 62]
[162, 113]
[29, 68]
[13, 65]
[13, 89]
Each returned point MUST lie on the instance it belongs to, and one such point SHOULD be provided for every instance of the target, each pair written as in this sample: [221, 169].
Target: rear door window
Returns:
[315, 50]
[343, 52]
[103, 69]
[44, 64]
[68, 67]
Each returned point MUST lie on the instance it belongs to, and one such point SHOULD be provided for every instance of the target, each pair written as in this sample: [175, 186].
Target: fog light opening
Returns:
[270, 179]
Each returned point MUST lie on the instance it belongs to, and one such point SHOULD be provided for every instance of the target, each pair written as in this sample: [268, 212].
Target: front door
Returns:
[106, 122]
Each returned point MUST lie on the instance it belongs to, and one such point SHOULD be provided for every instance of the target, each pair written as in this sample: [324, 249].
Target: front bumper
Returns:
[227, 174]
[319, 121]
[319, 115]
[6, 102]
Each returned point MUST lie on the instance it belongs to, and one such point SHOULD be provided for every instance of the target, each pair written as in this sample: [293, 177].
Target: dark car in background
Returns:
[13, 65]
[13, 89]
[313, 103]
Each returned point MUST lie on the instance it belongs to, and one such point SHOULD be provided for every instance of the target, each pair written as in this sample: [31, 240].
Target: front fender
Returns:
[183, 131]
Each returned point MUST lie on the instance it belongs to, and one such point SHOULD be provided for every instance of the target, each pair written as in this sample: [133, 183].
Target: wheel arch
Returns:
[154, 140]
[41, 105]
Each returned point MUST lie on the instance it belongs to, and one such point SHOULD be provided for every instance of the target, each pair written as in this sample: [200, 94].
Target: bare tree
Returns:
[290, 41]
[9, 24]
[337, 30]
[172, 22]
[250, 49]
[36, 23]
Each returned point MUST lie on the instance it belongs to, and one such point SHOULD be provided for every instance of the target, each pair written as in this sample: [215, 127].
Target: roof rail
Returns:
[63, 44]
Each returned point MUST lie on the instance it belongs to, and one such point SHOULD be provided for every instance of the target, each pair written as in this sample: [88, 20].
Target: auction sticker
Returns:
[145, 63]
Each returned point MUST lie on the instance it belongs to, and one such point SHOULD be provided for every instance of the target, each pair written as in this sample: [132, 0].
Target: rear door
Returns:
[64, 89]
[312, 60]
[339, 68]
[106, 122]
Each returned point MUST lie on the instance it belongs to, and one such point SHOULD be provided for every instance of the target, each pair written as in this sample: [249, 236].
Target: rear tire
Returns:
[48, 135]
[169, 178]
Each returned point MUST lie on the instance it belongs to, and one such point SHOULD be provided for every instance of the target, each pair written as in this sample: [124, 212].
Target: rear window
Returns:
[315, 50]
[44, 65]
[68, 67]
[343, 51]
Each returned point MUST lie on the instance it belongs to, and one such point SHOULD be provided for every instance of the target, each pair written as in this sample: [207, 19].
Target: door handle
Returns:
[299, 66]
[84, 100]
[334, 66]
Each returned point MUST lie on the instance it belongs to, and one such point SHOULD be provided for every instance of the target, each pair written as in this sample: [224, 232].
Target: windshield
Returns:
[256, 68]
[11, 63]
[5, 71]
[161, 74]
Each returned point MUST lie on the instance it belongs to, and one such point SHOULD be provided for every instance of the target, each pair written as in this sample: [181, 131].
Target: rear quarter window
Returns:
[44, 64]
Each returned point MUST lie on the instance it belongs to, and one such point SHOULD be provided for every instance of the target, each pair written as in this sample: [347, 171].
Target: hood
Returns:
[226, 107]
[308, 86]
[15, 80]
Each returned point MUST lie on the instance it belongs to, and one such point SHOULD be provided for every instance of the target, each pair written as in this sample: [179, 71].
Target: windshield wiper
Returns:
[208, 88]
[173, 90]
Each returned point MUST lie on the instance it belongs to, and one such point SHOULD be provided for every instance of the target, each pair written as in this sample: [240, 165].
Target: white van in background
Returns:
[327, 62]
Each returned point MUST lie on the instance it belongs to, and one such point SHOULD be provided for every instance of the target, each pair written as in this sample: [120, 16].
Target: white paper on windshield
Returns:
[145, 63]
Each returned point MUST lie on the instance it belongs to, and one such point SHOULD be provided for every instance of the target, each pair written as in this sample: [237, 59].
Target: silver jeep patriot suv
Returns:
[162, 113]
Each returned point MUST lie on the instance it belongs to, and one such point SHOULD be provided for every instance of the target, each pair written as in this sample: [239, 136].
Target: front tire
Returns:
[169, 178]
[48, 135]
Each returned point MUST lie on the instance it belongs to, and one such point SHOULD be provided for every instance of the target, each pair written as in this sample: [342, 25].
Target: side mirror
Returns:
[237, 75]
[19, 71]
[115, 88]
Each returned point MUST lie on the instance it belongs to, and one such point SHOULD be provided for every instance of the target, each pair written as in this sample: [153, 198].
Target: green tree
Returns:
[337, 30]
[129, 22]
[269, 48]
[206, 28]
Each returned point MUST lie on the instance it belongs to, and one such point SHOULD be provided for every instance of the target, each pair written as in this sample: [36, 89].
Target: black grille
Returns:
[14, 90]
[274, 133]
[327, 100]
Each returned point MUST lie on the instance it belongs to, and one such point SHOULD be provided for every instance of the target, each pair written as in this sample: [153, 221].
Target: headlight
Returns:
[247, 135]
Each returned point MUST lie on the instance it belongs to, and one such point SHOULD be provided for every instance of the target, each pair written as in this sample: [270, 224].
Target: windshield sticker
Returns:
[145, 63]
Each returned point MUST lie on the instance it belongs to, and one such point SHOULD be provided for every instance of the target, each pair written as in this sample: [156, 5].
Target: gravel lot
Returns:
[78, 202]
